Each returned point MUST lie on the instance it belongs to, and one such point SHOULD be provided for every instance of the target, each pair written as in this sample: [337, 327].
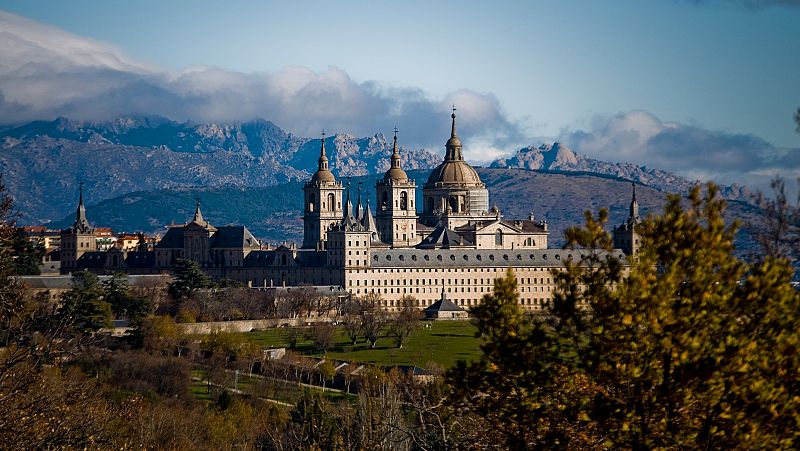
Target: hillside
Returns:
[274, 213]
[558, 158]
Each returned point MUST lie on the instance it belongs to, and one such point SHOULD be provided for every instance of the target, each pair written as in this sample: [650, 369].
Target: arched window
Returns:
[331, 202]
[403, 201]
[311, 202]
[385, 199]
[453, 202]
[498, 237]
[429, 203]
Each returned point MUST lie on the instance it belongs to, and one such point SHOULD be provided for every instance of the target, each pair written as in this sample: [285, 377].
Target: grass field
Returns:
[440, 345]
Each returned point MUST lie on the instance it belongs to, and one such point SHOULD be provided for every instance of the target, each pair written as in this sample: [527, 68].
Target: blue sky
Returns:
[540, 70]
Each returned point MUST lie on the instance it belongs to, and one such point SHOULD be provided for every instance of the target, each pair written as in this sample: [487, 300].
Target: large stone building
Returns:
[456, 243]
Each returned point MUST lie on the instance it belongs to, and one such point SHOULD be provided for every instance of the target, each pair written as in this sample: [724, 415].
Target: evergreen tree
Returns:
[688, 348]
[117, 293]
[85, 305]
[27, 255]
[187, 277]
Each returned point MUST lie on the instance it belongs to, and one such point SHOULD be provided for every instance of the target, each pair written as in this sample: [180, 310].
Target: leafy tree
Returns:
[85, 305]
[117, 293]
[187, 278]
[692, 348]
[42, 405]
[314, 426]
[27, 255]
[326, 371]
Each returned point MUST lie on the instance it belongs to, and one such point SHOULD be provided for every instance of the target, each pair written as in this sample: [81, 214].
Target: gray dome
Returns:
[456, 172]
[323, 175]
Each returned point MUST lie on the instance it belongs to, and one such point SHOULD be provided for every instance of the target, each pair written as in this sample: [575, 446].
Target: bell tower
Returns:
[396, 216]
[626, 236]
[77, 240]
[322, 203]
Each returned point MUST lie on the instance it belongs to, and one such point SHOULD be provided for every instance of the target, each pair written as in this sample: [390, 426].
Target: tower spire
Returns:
[453, 127]
[454, 143]
[348, 206]
[359, 206]
[395, 152]
[198, 215]
[634, 207]
[323, 159]
[81, 224]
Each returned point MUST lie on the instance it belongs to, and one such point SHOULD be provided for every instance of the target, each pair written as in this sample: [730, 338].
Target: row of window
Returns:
[437, 282]
[465, 257]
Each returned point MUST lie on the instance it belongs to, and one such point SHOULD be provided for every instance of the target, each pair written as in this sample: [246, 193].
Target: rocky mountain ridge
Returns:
[43, 161]
[557, 157]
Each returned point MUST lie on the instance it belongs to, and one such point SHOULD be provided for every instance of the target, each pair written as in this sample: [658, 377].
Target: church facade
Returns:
[454, 243]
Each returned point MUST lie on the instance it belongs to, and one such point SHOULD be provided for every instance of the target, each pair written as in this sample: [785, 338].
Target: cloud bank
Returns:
[641, 138]
[46, 72]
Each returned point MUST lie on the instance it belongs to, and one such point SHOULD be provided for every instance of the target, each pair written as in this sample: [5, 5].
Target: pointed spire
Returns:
[634, 207]
[454, 143]
[348, 206]
[323, 159]
[80, 216]
[81, 224]
[359, 206]
[198, 215]
[368, 221]
[453, 127]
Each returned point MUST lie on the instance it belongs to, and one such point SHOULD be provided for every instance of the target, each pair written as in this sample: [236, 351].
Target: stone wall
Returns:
[244, 325]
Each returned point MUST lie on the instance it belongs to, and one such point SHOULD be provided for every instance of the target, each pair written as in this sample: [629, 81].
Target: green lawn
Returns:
[444, 343]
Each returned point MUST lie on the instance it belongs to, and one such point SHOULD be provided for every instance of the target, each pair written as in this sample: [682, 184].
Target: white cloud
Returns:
[697, 153]
[46, 72]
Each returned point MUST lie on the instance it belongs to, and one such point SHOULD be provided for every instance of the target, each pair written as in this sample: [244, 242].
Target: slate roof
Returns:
[304, 257]
[461, 258]
[234, 237]
[443, 305]
[93, 260]
[172, 239]
[141, 259]
[444, 238]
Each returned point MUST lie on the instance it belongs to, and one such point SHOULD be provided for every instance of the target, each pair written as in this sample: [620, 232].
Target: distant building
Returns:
[456, 241]
[48, 238]
[77, 240]
[444, 309]
[626, 237]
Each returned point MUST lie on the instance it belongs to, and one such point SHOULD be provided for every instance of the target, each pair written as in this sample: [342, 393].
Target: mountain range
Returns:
[142, 173]
[43, 161]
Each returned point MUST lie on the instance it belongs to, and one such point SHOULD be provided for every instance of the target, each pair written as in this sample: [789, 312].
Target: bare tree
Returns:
[781, 234]
[372, 322]
[323, 335]
[403, 323]
[351, 319]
